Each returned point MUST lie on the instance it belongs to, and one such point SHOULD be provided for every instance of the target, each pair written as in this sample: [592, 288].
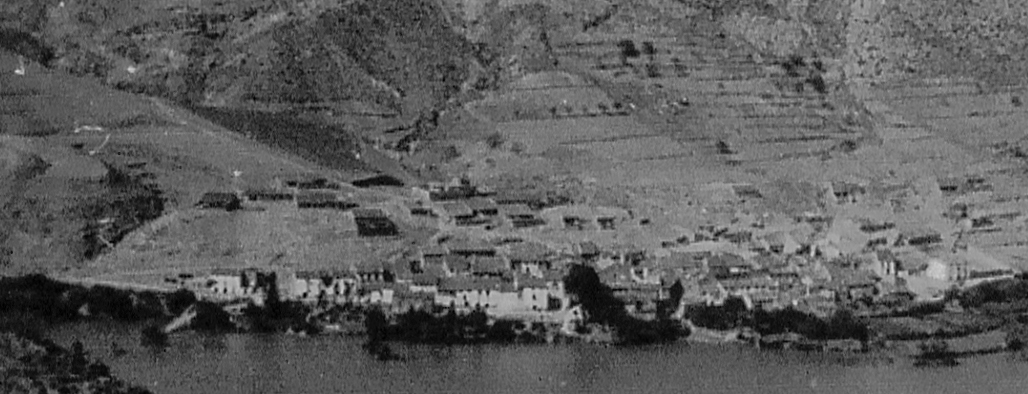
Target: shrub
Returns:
[495, 140]
[628, 50]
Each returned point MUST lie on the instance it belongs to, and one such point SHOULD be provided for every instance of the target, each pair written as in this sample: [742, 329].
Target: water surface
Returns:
[249, 363]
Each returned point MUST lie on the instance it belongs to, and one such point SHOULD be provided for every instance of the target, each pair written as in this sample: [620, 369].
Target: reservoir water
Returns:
[250, 363]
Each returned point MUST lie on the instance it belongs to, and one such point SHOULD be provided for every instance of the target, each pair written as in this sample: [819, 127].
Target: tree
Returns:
[597, 300]
[648, 49]
[628, 50]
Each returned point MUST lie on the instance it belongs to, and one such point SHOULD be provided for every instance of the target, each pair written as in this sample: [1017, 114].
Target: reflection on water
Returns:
[249, 363]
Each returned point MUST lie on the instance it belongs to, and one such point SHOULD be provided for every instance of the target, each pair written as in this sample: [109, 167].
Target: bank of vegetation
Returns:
[36, 365]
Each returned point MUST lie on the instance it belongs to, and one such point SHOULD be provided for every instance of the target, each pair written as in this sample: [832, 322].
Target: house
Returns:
[461, 214]
[738, 236]
[847, 192]
[953, 270]
[510, 197]
[744, 191]
[489, 266]
[232, 284]
[781, 242]
[950, 185]
[376, 293]
[465, 294]
[588, 250]
[372, 271]
[428, 281]
[606, 222]
[322, 286]
[311, 183]
[684, 264]
[220, 200]
[978, 277]
[876, 227]
[461, 191]
[470, 248]
[373, 222]
[483, 206]
[707, 292]
[320, 199]
[522, 216]
[529, 258]
[852, 284]
[420, 209]
[538, 295]
[407, 300]
[224, 283]
[750, 287]
[954, 185]
[918, 237]
[267, 195]
[574, 222]
[433, 255]
[725, 265]
[457, 264]
[639, 298]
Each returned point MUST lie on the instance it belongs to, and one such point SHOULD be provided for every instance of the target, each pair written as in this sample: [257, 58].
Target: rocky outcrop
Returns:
[33, 365]
[399, 54]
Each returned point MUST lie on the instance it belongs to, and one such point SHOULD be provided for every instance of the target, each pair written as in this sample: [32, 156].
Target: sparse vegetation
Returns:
[495, 140]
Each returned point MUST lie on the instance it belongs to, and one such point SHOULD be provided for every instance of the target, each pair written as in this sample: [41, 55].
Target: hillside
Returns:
[648, 105]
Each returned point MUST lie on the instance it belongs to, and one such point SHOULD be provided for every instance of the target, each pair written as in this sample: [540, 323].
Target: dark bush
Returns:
[628, 50]
[994, 292]
[601, 307]
[495, 140]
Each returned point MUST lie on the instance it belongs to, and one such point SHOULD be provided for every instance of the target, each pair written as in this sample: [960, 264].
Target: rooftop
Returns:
[528, 252]
[480, 204]
[457, 208]
[369, 213]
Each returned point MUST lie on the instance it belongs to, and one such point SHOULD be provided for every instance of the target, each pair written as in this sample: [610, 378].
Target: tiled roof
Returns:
[478, 204]
[727, 260]
[531, 282]
[848, 277]
[517, 210]
[434, 250]
[426, 279]
[465, 283]
[472, 247]
[317, 274]
[683, 260]
[457, 263]
[489, 265]
[528, 252]
[457, 208]
[553, 276]
[588, 248]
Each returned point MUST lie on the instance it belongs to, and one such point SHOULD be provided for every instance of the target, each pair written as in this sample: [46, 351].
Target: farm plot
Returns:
[538, 136]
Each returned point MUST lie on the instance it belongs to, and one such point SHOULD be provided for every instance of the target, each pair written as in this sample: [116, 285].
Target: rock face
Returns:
[399, 54]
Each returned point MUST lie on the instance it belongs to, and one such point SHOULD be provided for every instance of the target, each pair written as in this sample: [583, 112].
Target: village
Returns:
[506, 253]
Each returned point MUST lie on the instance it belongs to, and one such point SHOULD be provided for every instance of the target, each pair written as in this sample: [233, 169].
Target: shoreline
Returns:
[66, 303]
